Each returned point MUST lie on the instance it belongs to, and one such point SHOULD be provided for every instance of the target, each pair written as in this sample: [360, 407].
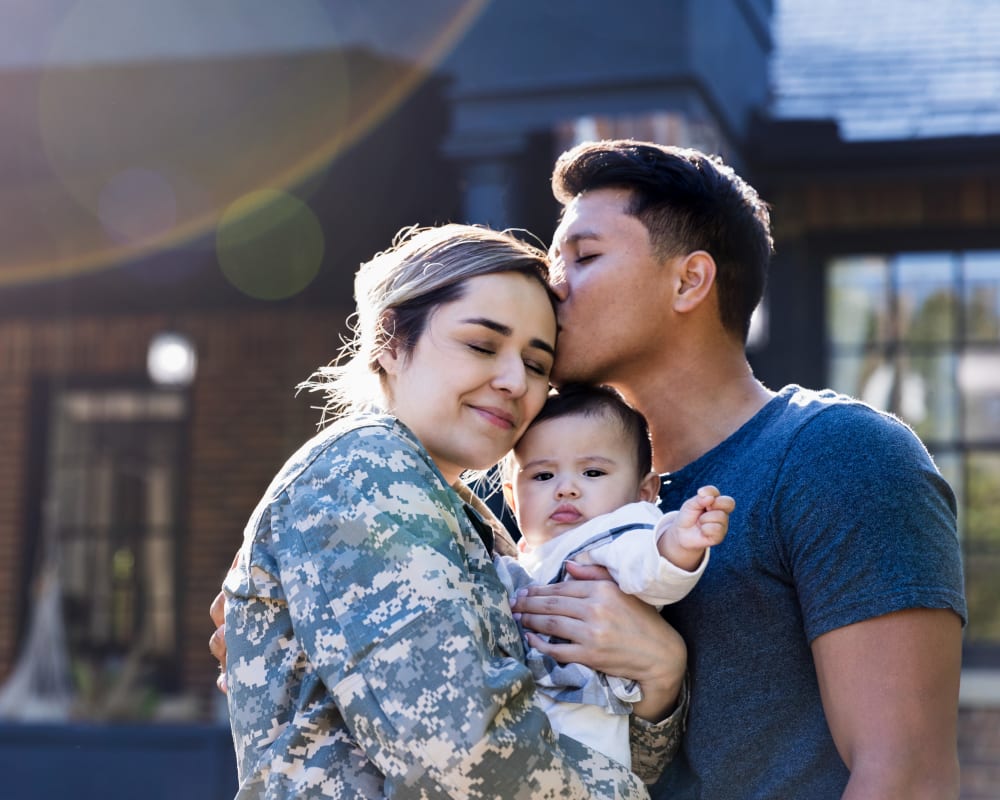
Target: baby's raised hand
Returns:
[701, 522]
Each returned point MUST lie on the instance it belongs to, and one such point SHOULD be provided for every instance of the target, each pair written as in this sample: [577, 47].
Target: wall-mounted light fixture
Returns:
[171, 359]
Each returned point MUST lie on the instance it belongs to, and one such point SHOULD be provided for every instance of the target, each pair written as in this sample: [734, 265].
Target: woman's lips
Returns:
[496, 416]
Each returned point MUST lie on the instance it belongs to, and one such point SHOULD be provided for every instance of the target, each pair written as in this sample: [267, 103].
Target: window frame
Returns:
[43, 395]
[958, 445]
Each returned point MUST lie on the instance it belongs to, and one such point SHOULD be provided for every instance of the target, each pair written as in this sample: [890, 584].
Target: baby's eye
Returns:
[594, 473]
[542, 476]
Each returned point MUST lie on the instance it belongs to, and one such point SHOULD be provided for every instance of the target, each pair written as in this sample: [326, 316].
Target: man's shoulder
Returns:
[825, 411]
[826, 433]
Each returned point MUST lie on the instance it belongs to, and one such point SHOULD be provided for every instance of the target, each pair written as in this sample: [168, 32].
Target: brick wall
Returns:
[245, 422]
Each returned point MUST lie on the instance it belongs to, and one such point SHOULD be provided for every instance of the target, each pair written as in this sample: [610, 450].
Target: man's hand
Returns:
[217, 642]
[609, 631]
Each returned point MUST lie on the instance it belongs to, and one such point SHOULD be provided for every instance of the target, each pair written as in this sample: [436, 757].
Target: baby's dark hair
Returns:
[591, 401]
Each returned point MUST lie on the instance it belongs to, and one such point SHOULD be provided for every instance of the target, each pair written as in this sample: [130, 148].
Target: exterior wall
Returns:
[818, 216]
[13, 445]
[704, 63]
[245, 422]
[650, 54]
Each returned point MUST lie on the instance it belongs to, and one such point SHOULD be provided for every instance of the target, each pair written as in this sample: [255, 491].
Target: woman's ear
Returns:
[388, 357]
[649, 487]
[696, 277]
[508, 496]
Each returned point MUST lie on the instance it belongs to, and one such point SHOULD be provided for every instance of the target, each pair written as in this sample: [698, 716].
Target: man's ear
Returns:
[696, 277]
[649, 487]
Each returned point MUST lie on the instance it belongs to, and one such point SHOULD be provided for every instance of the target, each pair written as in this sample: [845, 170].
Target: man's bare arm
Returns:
[890, 692]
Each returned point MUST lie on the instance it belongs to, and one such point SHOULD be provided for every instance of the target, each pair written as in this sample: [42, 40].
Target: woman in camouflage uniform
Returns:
[371, 649]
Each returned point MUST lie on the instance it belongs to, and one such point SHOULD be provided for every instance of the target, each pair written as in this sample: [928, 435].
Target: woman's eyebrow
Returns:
[506, 330]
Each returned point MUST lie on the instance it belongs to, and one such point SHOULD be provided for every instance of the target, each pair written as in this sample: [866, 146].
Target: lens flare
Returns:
[269, 245]
[186, 137]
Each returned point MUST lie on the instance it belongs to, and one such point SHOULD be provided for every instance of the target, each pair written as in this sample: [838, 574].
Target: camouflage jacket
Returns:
[371, 649]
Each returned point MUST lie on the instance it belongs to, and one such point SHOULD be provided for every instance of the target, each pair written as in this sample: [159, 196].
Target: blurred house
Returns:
[207, 180]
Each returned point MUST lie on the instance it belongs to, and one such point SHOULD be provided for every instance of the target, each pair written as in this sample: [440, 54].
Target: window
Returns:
[664, 127]
[110, 513]
[918, 334]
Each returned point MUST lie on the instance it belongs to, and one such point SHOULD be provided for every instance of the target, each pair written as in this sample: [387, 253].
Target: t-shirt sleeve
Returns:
[864, 523]
[402, 632]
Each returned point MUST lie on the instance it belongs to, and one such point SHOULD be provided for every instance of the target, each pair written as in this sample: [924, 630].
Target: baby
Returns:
[581, 486]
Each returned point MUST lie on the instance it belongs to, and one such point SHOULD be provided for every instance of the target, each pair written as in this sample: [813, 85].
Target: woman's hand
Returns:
[609, 631]
[217, 642]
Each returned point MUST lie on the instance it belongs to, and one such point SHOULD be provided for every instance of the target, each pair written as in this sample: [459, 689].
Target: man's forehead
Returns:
[575, 227]
[591, 213]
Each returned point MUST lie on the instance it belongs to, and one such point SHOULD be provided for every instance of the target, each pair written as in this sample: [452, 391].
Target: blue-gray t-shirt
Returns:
[840, 516]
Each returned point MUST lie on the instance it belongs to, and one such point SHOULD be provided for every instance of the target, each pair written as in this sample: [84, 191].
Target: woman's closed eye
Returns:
[537, 367]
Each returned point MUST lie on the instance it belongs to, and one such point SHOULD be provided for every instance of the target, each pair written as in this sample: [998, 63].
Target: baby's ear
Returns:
[649, 488]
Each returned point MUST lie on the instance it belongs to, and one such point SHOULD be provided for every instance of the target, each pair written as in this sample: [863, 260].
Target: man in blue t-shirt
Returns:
[825, 638]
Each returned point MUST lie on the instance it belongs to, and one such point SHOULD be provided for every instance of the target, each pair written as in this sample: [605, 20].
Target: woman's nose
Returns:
[511, 377]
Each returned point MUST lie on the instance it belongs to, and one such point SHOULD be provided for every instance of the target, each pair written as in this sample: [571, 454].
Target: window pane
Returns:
[849, 374]
[927, 302]
[982, 547]
[111, 486]
[979, 379]
[858, 301]
[982, 297]
[927, 396]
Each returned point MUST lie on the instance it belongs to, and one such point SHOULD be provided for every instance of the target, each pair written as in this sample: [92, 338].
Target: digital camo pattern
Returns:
[372, 652]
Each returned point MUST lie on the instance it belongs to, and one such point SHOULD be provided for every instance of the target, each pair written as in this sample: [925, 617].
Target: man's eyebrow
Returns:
[506, 330]
[578, 235]
[573, 239]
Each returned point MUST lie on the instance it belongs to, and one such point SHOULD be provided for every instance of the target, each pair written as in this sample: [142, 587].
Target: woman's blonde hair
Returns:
[396, 292]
